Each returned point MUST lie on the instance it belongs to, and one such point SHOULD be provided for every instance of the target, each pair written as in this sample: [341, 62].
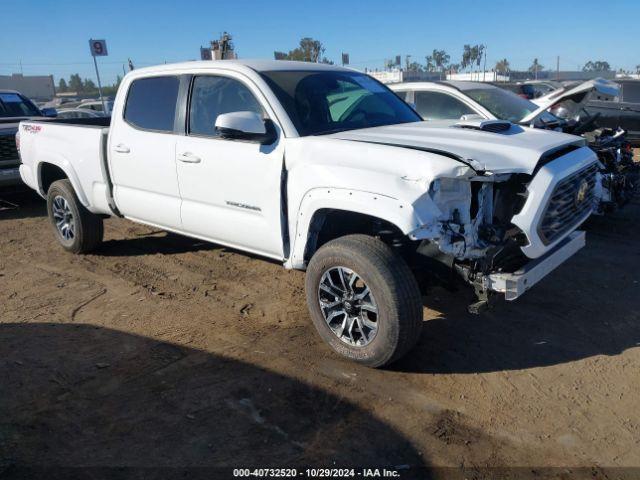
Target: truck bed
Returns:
[78, 122]
[75, 145]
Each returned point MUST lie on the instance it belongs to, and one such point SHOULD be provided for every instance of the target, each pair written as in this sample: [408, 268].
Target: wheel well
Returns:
[328, 224]
[49, 173]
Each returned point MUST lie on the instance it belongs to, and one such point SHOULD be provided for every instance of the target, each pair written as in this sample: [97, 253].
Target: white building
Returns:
[488, 76]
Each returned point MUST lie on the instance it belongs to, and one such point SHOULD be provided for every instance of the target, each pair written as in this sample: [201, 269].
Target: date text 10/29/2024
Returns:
[316, 473]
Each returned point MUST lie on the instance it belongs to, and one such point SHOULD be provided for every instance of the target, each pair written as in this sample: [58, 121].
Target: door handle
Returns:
[188, 157]
[121, 148]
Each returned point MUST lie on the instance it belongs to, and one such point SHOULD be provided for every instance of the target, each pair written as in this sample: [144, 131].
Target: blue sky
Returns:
[53, 36]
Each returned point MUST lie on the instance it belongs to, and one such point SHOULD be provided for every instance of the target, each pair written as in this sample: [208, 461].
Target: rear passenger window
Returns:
[402, 94]
[151, 103]
[436, 106]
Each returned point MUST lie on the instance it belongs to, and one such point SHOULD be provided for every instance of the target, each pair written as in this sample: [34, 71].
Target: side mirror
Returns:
[49, 112]
[248, 126]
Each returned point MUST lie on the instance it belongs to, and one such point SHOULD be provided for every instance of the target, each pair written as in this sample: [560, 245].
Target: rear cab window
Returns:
[151, 103]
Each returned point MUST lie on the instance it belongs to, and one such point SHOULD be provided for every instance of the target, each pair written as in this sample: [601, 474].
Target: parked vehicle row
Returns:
[326, 170]
[457, 103]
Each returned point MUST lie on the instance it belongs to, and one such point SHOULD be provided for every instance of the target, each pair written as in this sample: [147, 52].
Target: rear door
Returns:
[142, 152]
[231, 189]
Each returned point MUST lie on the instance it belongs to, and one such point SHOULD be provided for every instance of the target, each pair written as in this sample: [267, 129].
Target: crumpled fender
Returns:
[405, 216]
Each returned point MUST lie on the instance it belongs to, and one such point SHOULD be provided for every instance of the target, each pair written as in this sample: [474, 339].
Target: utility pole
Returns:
[484, 67]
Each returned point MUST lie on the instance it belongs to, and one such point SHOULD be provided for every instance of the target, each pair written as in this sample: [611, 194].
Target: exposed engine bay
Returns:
[618, 178]
[619, 174]
[474, 233]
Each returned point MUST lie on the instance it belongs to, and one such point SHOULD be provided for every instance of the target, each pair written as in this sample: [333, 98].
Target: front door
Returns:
[230, 188]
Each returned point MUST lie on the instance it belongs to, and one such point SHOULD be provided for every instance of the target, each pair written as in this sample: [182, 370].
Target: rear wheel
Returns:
[76, 228]
[363, 299]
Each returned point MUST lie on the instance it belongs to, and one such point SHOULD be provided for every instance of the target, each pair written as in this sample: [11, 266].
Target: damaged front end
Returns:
[502, 233]
[473, 235]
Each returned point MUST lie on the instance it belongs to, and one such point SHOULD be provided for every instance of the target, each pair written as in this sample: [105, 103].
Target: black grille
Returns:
[8, 150]
[572, 200]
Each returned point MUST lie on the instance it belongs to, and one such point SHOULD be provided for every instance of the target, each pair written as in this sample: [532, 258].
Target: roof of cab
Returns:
[256, 65]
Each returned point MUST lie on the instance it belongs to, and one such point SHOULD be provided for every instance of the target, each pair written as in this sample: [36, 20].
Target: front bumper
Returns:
[515, 284]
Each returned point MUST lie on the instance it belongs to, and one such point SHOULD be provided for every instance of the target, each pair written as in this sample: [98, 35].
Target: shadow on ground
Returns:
[21, 203]
[81, 396]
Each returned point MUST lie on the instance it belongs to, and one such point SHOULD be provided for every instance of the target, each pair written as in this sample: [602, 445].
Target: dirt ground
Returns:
[159, 350]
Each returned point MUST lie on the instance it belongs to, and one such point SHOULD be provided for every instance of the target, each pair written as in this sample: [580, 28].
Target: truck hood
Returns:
[515, 150]
[578, 93]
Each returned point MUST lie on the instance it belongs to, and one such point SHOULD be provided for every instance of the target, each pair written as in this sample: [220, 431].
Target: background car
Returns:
[466, 103]
[622, 111]
[79, 113]
[96, 106]
[14, 107]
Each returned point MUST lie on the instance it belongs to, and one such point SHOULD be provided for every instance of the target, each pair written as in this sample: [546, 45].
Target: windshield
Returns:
[504, 104]
[320, 102]
[15, 105]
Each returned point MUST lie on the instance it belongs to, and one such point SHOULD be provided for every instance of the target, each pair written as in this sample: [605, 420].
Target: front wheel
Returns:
[76, 228]
[363, 299]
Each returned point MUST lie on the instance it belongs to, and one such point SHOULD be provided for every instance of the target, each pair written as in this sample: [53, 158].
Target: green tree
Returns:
[88, 85]
[62, 85]
[430, 65]
[415, 67]
[597, 66]
[466, 57]
[309, 50]
[75, 83]
[535, 67]
[472, 55]
[502, 66]
[440, 60]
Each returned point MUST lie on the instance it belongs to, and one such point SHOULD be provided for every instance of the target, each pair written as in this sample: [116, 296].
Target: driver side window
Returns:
[439, 106]
[215, 95]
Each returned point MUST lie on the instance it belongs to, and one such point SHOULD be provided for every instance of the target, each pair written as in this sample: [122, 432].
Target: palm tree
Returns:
[430, 65]
[441, 60]
[502, 66]
[535, 68]
[466, 57]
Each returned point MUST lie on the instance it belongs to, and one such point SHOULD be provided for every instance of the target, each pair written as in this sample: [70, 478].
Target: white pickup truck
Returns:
[326, 170]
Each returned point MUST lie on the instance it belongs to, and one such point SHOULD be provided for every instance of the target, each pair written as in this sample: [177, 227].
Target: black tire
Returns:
[391, 282]
[88, 228]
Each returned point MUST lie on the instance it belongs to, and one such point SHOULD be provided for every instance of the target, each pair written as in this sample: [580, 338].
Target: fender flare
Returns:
[68, 170]
[395, 211]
